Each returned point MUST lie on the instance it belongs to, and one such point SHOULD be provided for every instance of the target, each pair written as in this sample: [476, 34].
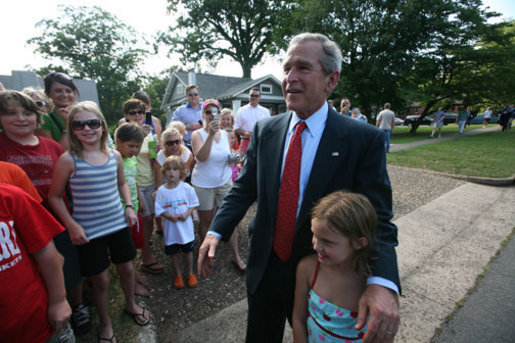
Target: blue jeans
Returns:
[387, 139]
[462, 123]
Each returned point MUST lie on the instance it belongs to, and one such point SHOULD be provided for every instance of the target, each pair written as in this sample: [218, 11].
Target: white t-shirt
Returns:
[213, 172]
[386, 117]
[176, 201]
[247, 116]
[185, 155]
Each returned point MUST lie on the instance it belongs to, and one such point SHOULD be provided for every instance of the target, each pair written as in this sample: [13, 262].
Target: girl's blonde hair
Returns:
[40, 94]
[170, 132]
[174, 162]
[76, 147]
[353, 216]
[227, 111]
[178, 125]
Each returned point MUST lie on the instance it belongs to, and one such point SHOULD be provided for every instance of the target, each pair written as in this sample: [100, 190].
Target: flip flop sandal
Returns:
[148, 268]
[142, 292]
[103, 339]
[136, 315]
[240, 266]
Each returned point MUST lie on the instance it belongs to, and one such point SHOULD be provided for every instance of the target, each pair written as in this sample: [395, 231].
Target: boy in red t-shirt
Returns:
[32, 292]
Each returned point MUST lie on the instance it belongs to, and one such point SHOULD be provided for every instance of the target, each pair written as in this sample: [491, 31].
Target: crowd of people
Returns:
[103, 196]
[322, 244]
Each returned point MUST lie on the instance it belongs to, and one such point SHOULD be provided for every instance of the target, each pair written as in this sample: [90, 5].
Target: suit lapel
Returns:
[273, 142]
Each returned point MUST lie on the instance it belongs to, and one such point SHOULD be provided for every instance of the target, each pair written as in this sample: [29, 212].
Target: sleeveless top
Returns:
[96, 200]
[328, 322]
[145, 172]
[213, 172]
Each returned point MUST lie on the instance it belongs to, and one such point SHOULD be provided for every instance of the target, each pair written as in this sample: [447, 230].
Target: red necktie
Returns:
[289, 197]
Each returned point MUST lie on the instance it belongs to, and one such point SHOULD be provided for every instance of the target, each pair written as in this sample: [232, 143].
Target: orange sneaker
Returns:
[178, 282]
[192, 281]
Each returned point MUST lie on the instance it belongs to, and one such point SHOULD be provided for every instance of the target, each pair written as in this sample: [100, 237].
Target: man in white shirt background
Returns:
[386, 122]
[247, 116]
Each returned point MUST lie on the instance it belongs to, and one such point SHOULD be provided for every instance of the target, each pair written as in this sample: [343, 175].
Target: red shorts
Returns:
[137, 233]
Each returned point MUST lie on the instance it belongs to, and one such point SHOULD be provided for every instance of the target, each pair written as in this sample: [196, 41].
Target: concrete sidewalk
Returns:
[399, 147]
[444, 246]
[488, 314]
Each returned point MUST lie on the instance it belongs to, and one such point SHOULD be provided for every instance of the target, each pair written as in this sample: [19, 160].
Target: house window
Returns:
[266, 88]
[180, 89]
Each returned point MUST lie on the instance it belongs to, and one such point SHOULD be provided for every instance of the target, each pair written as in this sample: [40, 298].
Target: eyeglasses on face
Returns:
[255, 95]
[79, 125]
[175, 142]
[212, 111]
[192, 94]
[40, 103]
[134, 112]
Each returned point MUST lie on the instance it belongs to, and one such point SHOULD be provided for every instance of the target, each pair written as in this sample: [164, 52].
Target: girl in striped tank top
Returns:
[99, 224]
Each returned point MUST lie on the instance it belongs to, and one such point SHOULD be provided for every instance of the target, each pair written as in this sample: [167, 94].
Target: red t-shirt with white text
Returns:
[25, 227]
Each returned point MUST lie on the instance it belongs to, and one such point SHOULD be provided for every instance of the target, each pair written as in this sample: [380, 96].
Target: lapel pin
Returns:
[335, 153]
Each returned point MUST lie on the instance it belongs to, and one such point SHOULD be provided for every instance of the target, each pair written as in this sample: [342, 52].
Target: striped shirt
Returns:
[96, 200]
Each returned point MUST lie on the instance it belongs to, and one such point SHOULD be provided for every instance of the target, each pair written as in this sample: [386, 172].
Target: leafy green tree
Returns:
[378, 41]
[155, 88]
[397, 51]
[450, 67]
[93, 44]
[211, 29]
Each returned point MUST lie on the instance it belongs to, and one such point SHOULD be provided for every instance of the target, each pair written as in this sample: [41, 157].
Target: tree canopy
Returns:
[93, 44]
[404, 51]
[211, 29]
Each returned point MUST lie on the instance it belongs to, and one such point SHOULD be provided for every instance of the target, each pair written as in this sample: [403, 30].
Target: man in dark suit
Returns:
[338, 153]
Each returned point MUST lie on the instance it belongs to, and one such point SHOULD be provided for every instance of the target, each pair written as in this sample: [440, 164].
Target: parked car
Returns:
[479, 119]
[398, 121]
[409, 120]
[450, 118]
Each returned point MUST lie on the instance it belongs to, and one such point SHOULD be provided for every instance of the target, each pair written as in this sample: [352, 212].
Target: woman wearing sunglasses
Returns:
[212, 176]
[134, 111]
[171, 140]
[60, 88]
[45, 104]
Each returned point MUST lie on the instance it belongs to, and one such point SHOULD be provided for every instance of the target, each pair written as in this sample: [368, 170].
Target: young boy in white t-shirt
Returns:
[175, 201]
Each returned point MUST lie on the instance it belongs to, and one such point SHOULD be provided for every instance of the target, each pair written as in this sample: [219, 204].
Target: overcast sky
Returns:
[18, 19]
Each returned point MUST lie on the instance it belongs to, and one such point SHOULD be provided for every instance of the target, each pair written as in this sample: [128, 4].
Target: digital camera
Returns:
[235, 158]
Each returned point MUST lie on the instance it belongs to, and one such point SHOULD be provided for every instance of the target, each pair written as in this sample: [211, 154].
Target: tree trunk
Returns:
[247, 70]
[416, 124]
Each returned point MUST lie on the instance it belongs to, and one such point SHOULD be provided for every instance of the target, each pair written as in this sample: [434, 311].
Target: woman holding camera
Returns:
[211, 176]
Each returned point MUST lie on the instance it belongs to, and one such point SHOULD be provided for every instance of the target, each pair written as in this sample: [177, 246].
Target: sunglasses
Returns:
[212, 111]
[60, 75]
[131, 113]
[192, 94]
[255, 95]
[171, 143]
[79, 125]
[40, 103]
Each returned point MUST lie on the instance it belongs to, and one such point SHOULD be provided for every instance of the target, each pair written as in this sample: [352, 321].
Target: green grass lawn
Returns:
[402, 135]
[486, 155]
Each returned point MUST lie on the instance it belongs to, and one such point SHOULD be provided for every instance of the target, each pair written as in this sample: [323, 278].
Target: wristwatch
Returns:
[129, 206]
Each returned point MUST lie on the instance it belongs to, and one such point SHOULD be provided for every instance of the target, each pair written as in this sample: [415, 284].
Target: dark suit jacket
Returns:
[350, 156]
